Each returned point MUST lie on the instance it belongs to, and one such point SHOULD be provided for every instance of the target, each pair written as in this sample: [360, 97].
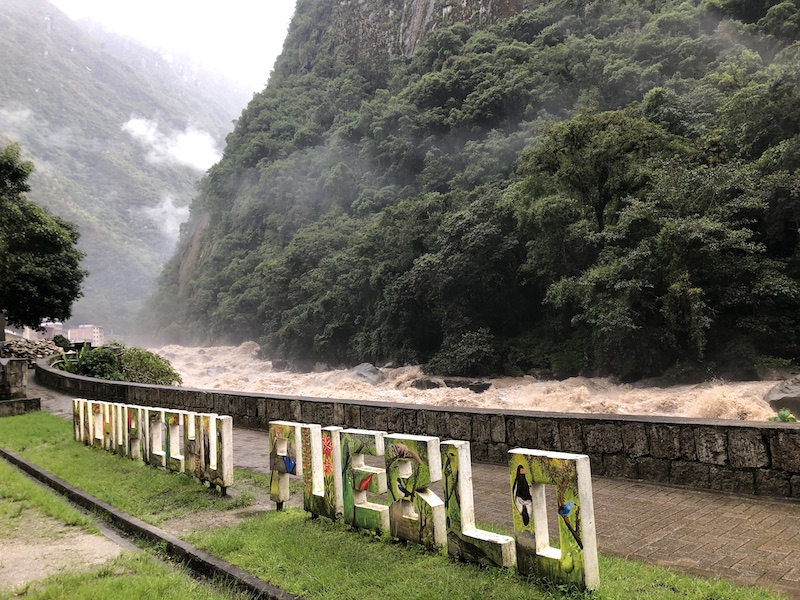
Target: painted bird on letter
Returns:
[403, 489]
[289, 463]
[363, 485]
[522, 496]
[565, 509]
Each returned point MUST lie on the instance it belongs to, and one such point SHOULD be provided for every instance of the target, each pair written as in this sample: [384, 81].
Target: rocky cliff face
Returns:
[399, 26]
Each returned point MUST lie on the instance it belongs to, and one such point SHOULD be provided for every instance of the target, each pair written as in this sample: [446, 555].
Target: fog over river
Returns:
[237, 368]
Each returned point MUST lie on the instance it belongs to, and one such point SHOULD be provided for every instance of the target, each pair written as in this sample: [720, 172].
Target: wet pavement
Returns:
[746, 539]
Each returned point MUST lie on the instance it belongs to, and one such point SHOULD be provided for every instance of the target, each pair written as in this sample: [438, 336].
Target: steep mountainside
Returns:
[117, 147]
[484, 186]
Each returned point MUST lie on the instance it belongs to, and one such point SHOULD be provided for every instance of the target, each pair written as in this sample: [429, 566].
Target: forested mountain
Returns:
[565, 186]
[103, 121]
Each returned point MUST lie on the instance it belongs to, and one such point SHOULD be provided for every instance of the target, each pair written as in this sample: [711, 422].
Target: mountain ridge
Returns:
[75, 108]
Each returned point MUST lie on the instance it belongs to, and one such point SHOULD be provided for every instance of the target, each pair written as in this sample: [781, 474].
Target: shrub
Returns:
[61, 341]
[117, 362]
[143, 366]
[473, 353]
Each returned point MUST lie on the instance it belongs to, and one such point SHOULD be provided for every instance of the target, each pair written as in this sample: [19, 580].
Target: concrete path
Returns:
[745, 539]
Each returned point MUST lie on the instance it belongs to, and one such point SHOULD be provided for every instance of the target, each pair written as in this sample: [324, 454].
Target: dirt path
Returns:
[37, 546]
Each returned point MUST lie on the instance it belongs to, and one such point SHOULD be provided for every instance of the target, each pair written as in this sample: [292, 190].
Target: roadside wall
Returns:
[761, 458]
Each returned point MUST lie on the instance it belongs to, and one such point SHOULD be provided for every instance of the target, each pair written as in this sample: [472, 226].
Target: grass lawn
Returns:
[317, 558]
[130, 575]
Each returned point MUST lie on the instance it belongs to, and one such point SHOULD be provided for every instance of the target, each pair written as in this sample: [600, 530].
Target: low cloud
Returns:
[191, 147]
[14, 122]
[167, 216]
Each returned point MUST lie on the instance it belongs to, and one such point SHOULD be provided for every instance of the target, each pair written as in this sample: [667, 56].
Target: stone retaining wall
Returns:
[760, 458]
[19, 406]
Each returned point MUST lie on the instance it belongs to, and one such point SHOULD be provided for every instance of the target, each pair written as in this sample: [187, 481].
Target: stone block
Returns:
[597, 464]
[691, 474]
[605, 438]
[620, 465]
[634, 439]
[548, 436]
[13, 378]
[571, 434]
[426, 422]
[795, 484]
[410, 425]
[665, 440]
[19, 406]
[261, 407]
[480, 451]
[368, 418]
[337, 417]
[498, 425]
[375, 418]
[688, 444]
[459, 427]
[250, 407]
[324, 414]
[394, 421]
[746, 448]
[770, 482]
[273, 409]
[481, 428]
[295, 412]
[523, 432]
[712, 445]
[785, 448]
[726, 479]
[654, 469]
[352, 416]
[498, 453]
[308, 413]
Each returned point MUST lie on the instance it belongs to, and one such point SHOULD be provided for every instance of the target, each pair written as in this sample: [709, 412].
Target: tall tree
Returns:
[40, 274]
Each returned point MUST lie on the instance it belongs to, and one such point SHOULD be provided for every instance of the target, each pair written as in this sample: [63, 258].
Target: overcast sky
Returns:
[241, 38]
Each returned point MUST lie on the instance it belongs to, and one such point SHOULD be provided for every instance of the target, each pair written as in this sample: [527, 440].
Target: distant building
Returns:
[51, 330]
[94, 334]
[47, 331]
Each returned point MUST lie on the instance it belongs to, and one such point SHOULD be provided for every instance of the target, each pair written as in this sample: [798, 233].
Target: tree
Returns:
[600, 158]
[40, 274]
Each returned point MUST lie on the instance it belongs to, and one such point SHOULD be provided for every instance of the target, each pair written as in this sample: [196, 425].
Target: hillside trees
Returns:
[40, 274]
[604, 189]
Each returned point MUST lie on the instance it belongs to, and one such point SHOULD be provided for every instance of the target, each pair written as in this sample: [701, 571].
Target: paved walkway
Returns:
[748, 540]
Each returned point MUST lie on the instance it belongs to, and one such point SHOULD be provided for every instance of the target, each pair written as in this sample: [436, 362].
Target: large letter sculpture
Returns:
[464, 540]
[416, 513]
[286, 458]
[576, 560]
[153, 435]
[322, 476]
[136, 437]
[358, 479]
[158, 454]
[206, 454]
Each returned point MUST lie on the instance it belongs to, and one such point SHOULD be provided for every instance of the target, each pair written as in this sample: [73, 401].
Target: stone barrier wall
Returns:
[760, 458]
[13, 378]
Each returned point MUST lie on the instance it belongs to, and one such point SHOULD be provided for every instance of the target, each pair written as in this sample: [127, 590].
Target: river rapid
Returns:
[237, 368]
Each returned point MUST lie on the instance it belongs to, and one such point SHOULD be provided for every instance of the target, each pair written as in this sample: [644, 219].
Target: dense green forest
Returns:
[583, 187]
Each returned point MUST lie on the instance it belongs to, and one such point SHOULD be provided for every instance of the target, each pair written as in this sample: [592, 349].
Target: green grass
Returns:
[19, 495]
[127, 576]
[151, 494]
[317, 558]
